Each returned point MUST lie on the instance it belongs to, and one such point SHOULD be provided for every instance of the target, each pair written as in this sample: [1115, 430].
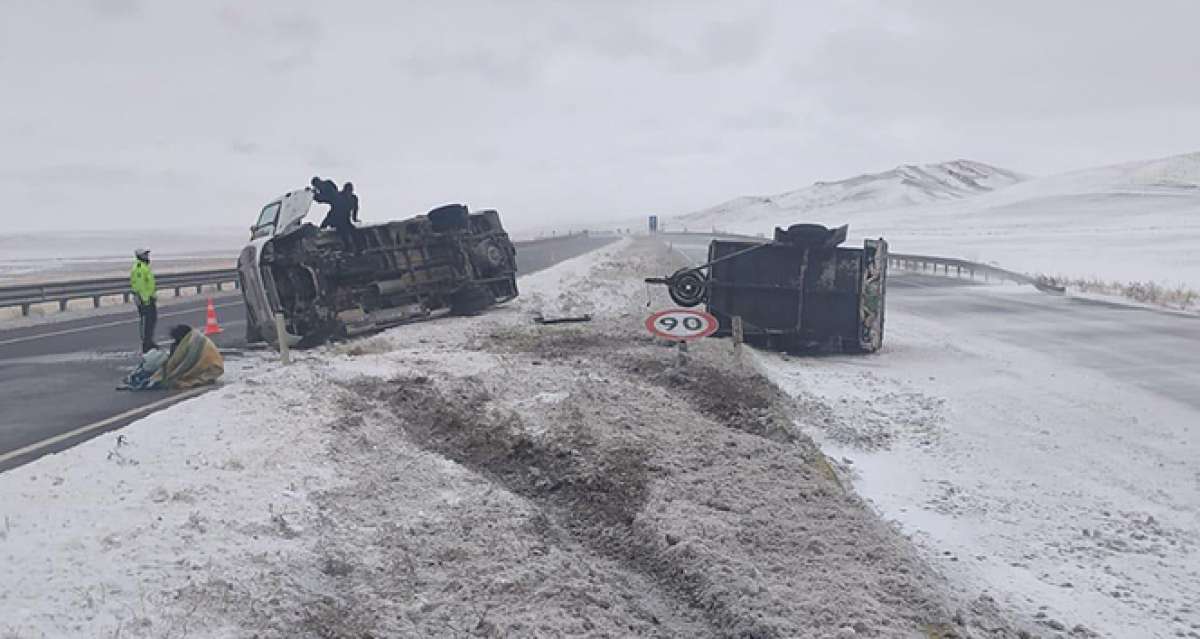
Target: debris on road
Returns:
[568, 319]
[800, 292]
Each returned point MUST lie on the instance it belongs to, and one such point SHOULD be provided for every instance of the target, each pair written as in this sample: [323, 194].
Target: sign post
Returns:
[738, 337]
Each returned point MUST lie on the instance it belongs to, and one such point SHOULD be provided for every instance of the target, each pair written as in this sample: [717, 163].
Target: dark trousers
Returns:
[147, 319]
[346, 235]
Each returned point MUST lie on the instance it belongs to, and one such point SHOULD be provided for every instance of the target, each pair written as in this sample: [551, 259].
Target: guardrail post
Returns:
[281, 339]
[62, 305]
[220, 286]
[198, 287]
[25, 310]
[177, 291]
[125, 298]
[95, 301]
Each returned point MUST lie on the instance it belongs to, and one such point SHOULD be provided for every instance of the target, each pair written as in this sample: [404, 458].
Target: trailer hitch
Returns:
[687, 287]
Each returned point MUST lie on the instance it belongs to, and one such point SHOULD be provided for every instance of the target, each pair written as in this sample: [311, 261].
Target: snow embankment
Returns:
[1064, 491]
[471, 476]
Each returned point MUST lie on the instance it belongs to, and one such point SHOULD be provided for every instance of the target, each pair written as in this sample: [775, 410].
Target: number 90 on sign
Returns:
[681, 324]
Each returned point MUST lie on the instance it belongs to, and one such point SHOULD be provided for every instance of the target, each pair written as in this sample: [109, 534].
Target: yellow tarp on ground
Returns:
[195, 362]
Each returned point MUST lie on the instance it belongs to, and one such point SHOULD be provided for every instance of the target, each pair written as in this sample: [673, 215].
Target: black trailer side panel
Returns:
[799, 297]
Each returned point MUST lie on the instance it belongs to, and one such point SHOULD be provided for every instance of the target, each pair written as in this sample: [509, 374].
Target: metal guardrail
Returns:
[968, 270]
[62, 292]
[947, 266]
[27, 295]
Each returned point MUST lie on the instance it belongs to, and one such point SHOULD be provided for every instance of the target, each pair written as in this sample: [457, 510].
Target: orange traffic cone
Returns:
[210, 325]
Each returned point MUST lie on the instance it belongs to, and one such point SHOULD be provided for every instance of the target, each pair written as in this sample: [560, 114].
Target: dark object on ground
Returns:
[562, 320]
[450, 259]
[192, 361]
[1046, 285]
[800, 292]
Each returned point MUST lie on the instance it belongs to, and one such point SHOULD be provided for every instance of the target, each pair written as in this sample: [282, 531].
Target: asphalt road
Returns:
[1153, 349]
[59, 377]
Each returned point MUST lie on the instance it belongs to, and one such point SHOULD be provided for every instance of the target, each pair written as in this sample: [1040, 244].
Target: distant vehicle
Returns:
[801, 292]
[447, 260]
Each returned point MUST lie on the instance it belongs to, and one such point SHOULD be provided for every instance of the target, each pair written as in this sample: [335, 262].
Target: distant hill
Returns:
[1131, 221]
[905, 185]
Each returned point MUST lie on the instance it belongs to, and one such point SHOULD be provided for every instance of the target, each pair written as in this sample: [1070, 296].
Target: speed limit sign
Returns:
[681, 324]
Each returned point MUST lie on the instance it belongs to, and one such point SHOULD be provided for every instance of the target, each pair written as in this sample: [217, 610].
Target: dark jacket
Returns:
[326, 192]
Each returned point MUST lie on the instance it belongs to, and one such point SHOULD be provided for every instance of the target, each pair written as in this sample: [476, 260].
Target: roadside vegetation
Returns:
[1179, 297]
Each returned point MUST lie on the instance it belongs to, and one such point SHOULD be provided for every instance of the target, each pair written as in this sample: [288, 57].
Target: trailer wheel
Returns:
[488, 257]
[687, 287]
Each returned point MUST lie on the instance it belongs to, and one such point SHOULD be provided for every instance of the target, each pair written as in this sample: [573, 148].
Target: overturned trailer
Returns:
[448, 260]
[801, 292]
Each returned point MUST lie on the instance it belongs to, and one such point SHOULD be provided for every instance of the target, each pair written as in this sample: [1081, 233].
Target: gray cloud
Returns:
[1029, 60]
[116, 9]
[495, 66]
[298, 27]
[734, 43]
[547, 109]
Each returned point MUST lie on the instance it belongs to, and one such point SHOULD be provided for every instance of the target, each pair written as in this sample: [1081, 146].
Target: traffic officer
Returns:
[141, 281]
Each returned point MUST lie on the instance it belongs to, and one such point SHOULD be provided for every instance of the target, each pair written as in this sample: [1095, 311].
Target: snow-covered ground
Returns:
[1133, 222]
[464, 476]
[1066, 491]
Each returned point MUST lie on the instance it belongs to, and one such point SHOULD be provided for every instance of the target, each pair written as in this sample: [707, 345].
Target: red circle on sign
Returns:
[682, 324]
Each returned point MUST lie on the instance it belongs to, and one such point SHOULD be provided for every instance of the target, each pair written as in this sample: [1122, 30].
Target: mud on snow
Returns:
[502, 478]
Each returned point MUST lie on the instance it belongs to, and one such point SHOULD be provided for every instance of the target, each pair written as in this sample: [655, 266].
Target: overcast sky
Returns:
[173, 114]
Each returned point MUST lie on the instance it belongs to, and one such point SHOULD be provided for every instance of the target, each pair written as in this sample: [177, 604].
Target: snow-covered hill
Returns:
[1136, 221]
[904, 185]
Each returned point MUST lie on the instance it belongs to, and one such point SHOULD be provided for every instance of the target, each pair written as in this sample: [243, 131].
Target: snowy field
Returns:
[487, 476]
[1133, 222]
[1069, 493]
[473, 476]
